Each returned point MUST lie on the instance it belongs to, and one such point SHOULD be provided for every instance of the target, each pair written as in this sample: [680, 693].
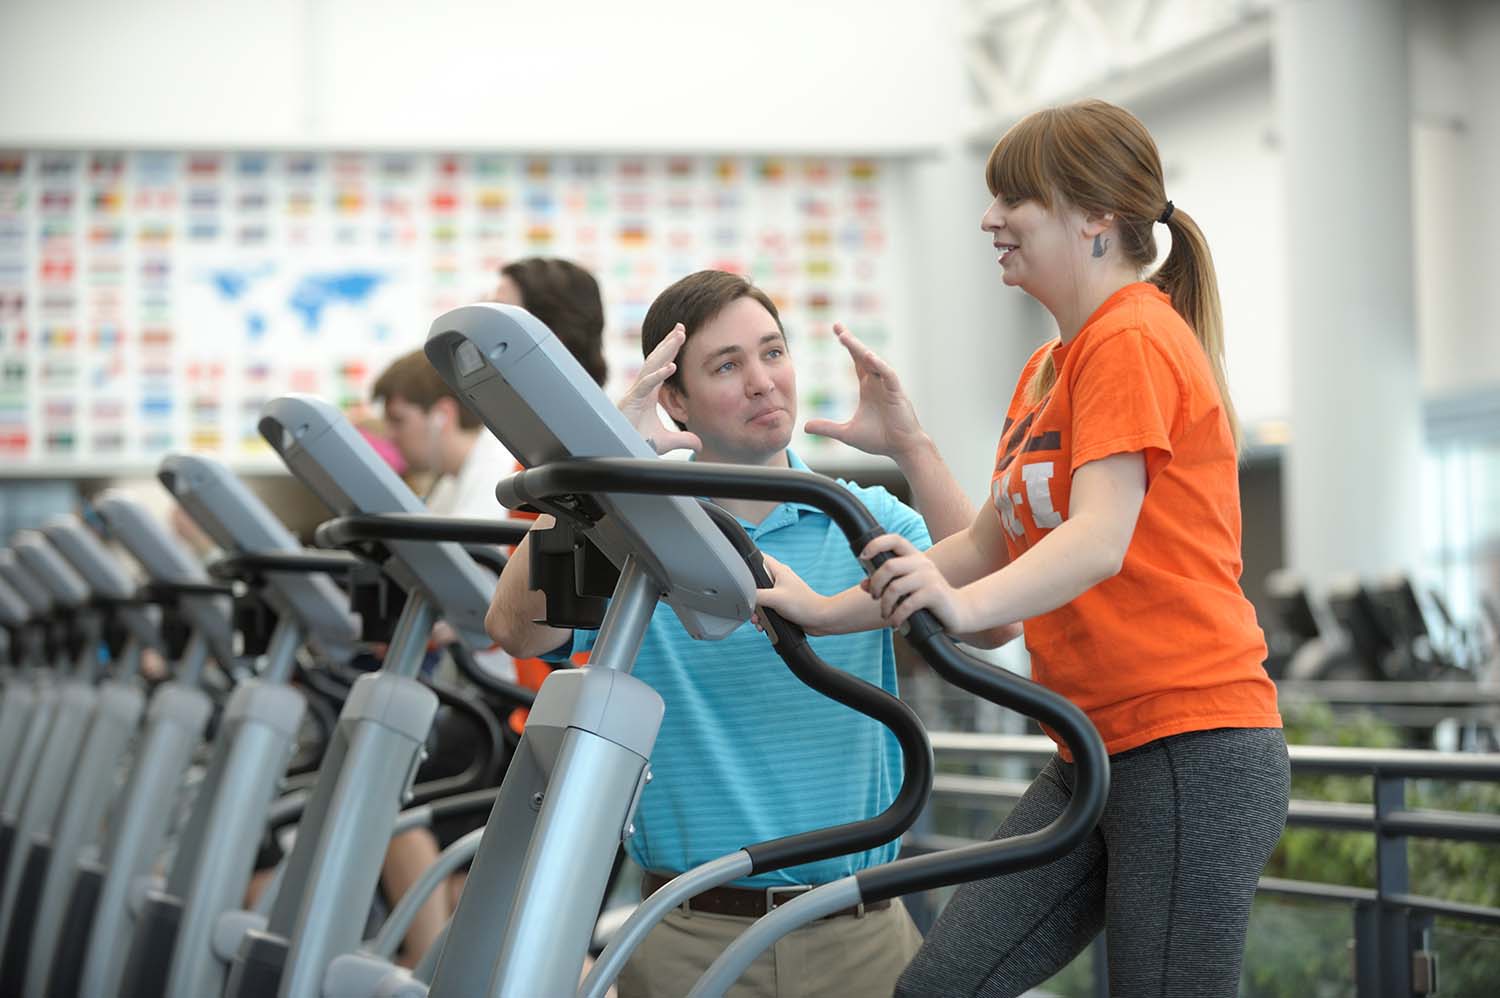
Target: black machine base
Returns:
[151, 951]
[28, 897]
[257, 966]
[73, 941]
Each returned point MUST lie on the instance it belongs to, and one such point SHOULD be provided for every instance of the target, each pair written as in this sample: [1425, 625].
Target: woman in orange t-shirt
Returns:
[1113, 536]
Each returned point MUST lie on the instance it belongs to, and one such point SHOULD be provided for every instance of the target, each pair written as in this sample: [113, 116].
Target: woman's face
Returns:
[1038, 246]
[507, 292]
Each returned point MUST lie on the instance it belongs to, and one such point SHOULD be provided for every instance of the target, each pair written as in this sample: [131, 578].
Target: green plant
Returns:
[1317, 956]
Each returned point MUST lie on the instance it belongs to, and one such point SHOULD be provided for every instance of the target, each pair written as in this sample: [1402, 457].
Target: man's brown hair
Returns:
[694, 301]
[413, 378]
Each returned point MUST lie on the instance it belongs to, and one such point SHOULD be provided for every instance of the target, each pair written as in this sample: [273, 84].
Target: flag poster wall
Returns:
[153, 301]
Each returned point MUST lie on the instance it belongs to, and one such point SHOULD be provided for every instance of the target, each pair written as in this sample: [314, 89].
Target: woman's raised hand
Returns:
[884, 421]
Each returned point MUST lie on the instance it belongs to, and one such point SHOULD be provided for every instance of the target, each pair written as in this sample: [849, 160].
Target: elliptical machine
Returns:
[126, 628]
[34, 689]
[523, 924]
[21, 654]
[187, 929]
[371, 764]
[195, 627]
[81, 629]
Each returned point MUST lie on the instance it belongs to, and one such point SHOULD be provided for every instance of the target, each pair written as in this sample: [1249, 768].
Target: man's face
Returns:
[738, 388]
[410, 428]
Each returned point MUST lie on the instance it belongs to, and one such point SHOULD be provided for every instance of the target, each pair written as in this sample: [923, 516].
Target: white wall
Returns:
[835, 75]
[838, 75]
[1220, 145]
[1222, 167]
[1455, 67]
[168, 72]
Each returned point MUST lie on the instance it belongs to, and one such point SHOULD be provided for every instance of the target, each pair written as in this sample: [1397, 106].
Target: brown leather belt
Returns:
[749, 902]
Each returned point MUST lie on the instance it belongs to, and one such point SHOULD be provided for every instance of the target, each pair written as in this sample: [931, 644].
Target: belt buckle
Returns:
[772, 904]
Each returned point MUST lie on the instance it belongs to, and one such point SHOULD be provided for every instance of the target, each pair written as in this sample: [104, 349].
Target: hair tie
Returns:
[1166, 214]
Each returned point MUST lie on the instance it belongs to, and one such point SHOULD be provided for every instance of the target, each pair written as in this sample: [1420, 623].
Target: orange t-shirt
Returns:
[1170, 644]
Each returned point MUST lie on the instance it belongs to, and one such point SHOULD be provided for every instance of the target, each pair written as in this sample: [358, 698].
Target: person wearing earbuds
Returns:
[1113, 538]
[436, 433]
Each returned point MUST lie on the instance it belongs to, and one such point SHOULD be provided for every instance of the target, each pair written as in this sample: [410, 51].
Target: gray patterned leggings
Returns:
[1168, 874]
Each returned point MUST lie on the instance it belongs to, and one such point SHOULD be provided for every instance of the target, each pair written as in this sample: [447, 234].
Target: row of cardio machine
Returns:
[129, 825]
[1376, 629]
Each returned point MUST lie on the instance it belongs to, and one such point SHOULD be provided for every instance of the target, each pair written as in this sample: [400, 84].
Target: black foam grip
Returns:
[77, 928]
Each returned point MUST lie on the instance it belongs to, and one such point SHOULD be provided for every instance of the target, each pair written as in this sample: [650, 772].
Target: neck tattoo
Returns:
[1101, 246]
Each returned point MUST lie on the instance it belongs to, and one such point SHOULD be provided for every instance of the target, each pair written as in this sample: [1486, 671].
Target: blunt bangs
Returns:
[1017, 167]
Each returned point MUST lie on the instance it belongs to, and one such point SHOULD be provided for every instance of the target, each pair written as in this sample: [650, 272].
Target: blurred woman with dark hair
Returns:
[565, 297]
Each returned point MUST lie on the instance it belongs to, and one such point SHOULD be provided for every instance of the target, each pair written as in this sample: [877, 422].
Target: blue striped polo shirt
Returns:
[747, 753]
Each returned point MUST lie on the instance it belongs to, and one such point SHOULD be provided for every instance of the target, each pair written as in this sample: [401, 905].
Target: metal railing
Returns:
[1418, 704]
[1393, 953]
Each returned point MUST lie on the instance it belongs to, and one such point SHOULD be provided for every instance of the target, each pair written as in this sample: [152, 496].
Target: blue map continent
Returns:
[231, 286]
[316, 292]
[311, 296]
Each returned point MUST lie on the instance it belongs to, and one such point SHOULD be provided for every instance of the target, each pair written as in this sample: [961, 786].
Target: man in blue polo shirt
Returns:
[746, 753]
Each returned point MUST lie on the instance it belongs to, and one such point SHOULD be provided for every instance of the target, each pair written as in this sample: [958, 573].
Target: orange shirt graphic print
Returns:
[1026, 485]
[1169, 643]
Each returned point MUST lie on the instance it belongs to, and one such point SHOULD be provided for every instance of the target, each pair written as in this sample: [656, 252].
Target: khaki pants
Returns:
[844, 957]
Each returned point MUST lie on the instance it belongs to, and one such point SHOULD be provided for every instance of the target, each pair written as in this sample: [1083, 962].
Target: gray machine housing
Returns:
[65, 585]
[102, 572]
[65, 760]
[17, 688]
[17, 693]
[37, 597]
[175, 721]
[325, 451]
[539, 401]
[165, 560]
[206, 489]
[343, 835]
[14, 611]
